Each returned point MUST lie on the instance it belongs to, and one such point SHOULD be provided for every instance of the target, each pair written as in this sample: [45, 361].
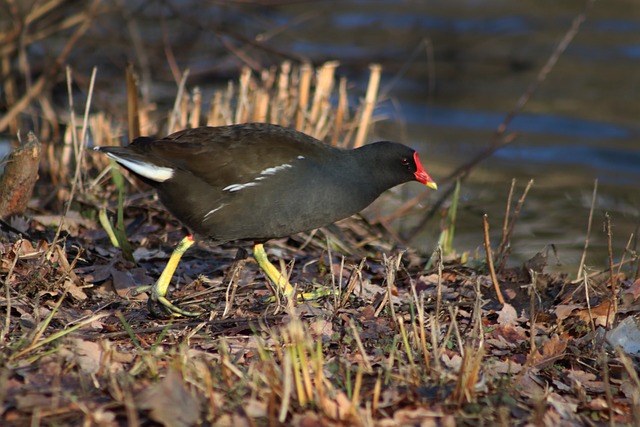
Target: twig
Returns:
[141, 53]
[500, 139]
[604, 360]
[234, 278]
[460, 173]
[632, 373]
[427, 45]
[532, 307]
[591, 321]
[612, 276]
[354, 279]
[365, 358]
[627, 249]
[505, 225]
[7, 287]
[79, 161]
[636, 275]
[597, 273]
[422, 326]
[548, 66]
[440, 263]
[487, 248]
[51, 71]
[391, 266]
[503, 251]
[586, 240]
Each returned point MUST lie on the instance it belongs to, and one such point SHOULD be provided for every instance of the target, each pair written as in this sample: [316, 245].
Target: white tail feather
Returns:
[147, 170]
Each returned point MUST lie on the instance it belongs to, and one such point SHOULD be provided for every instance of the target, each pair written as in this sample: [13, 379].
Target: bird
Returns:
[258, 181]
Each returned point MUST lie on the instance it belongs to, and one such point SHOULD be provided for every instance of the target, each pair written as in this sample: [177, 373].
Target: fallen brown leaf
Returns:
[170, 402]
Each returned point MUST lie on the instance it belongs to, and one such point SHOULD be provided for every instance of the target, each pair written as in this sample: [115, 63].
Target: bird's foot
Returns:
[320, 292]
[160, 306]
[281, 281]
[316, 294]
[158, 291]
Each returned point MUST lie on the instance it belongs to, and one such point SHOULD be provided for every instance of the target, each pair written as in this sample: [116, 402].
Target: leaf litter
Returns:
[378, 355]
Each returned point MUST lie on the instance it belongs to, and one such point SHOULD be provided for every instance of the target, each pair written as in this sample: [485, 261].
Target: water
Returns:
[580, 126]
[453, 70]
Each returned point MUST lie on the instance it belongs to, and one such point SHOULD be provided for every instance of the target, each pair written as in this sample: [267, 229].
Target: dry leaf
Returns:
[564, 311]
[74, 290]
[551, 351]
[88, 355]
[631, 294]
[586, 380]
[308, 419]
[602, 314]
[507, 316]
[170, 402]
[423, 417]
[339, 408]
[565, 406]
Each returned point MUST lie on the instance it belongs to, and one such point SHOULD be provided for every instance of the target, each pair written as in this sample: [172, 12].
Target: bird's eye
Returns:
[405, 161]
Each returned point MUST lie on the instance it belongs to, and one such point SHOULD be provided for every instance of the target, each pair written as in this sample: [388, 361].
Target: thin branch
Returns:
[586, 240]
[487, 248]
[500, 139]
[48, 76]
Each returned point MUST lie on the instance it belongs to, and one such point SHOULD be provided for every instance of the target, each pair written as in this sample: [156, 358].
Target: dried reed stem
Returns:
[505, 225]
[369, 104]
[586, 240]
[133, 110]
[242, 109]
[303, 98]
[487, 248]
[47, 78]
[197, 108]
[79, 156]
[7, 286]
[175, 113]
[532, 306]
[341, 113]
[324, 85]
[612, 275]
[504, 250]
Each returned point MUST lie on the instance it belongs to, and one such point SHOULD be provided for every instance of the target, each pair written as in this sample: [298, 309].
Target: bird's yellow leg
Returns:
[271, 271]
[160, 288]
[279, 279]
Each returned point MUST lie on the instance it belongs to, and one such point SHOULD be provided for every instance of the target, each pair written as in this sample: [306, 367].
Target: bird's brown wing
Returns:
[228, 155]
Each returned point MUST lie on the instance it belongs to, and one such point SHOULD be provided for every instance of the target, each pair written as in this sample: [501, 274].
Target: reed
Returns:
[297, 96]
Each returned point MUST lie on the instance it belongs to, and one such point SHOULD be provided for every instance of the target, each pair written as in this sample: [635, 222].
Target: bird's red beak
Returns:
[422, 175]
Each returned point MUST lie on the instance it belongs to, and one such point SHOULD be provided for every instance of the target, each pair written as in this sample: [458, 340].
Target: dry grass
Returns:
[77, 353]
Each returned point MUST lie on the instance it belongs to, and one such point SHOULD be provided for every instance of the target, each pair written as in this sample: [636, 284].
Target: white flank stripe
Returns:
[237, 187]
[300, 157]
[264, 174]
[148, 170]
[212, 211]
[273, 170]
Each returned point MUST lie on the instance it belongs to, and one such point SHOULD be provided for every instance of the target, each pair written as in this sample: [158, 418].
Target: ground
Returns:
[397, 344]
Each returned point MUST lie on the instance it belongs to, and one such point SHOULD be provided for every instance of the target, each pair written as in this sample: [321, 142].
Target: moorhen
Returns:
[259, 181]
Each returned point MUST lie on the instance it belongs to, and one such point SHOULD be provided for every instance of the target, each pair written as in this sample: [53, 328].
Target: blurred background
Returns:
[452, 71]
